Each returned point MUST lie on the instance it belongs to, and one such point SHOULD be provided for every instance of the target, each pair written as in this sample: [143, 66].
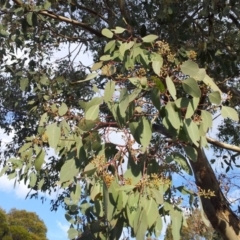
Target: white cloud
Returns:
[63, 226]
[6, 185]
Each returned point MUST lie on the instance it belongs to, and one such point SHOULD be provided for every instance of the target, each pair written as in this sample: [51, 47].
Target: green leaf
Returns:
[209, 82]
[96, 66]
[29, 18]
[62, 109]
[109, 45]
[90, 169]
[206, 120]
[191, 153]
[39, 160]
[72, 233]
[24, 83]
[134, 129]
[86, 125]
[155, 97]
[40, 184]
[107, 33]
[191, 87]
[182, 103]
[89, 77]
[92, 113]
[190, 68]
[228, 112]
[33, 179]
[215, 97]
[157, 65]
[68, 171]
[43, 120]
[182, 161]
[149, 38]
[173, 115]
[191, 128]
[158, 227]
[96, 191]
[47, 5]
[75, 193]
[123, 102]
[171, 87]
[119, 30]
[192, 107]
[3, 171]
[177, 219]
[146, 134]
[151, 209]
[53, 132]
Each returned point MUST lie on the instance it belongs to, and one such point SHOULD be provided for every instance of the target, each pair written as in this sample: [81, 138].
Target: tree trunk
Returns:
[216, 208]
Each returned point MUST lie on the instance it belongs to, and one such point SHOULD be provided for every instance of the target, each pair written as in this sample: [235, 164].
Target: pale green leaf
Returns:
[40, 183]
[146, 133]
[107, 33]
[62, 109]
[151, 209]
[191, 129]
[171, 87]
[158, 227]
[109, 45]
[75, 193]
[173, 115]
[119, 30]
[92, 113]
[96, 66]
[89, 77]
[23, 83]
[177, 219]
[191, 87]
[68, 171]
[190, 68]
[192, 107]
[157, 65]
[29, 18]
[215, 97]
[47, 5]
[228, 112]
[209, 82]
[53, 132]
[33, 179]
[149, 38]
[72, 233]
[191, 153]
[89, 169]
[39, 160]
[182, 161]
[206, 120]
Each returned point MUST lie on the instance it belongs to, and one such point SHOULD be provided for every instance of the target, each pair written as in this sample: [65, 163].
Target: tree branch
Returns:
[65, 19]
[162, 130]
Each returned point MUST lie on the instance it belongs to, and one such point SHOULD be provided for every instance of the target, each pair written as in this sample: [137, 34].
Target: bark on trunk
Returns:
[217, 208]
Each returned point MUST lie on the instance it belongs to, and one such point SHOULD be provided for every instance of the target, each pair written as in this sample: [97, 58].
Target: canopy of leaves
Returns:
[195, 229]
[21, 225]
[162, 70]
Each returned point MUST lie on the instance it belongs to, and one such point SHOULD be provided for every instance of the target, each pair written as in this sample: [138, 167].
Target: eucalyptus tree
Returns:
[162, 71]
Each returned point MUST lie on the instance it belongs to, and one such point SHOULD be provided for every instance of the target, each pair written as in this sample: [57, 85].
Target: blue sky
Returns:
[15, 198]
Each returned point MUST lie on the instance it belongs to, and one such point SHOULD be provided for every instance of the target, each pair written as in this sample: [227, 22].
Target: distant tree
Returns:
[195, 230]
[21, 225]
[4, 228]
[21, 221]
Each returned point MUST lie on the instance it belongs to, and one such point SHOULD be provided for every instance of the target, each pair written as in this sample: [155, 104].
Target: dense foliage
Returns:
[162, 72]
[21, 225]
[196, 229]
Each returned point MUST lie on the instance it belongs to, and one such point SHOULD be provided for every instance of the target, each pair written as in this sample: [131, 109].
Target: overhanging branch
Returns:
[65, 19]
[162, 130]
